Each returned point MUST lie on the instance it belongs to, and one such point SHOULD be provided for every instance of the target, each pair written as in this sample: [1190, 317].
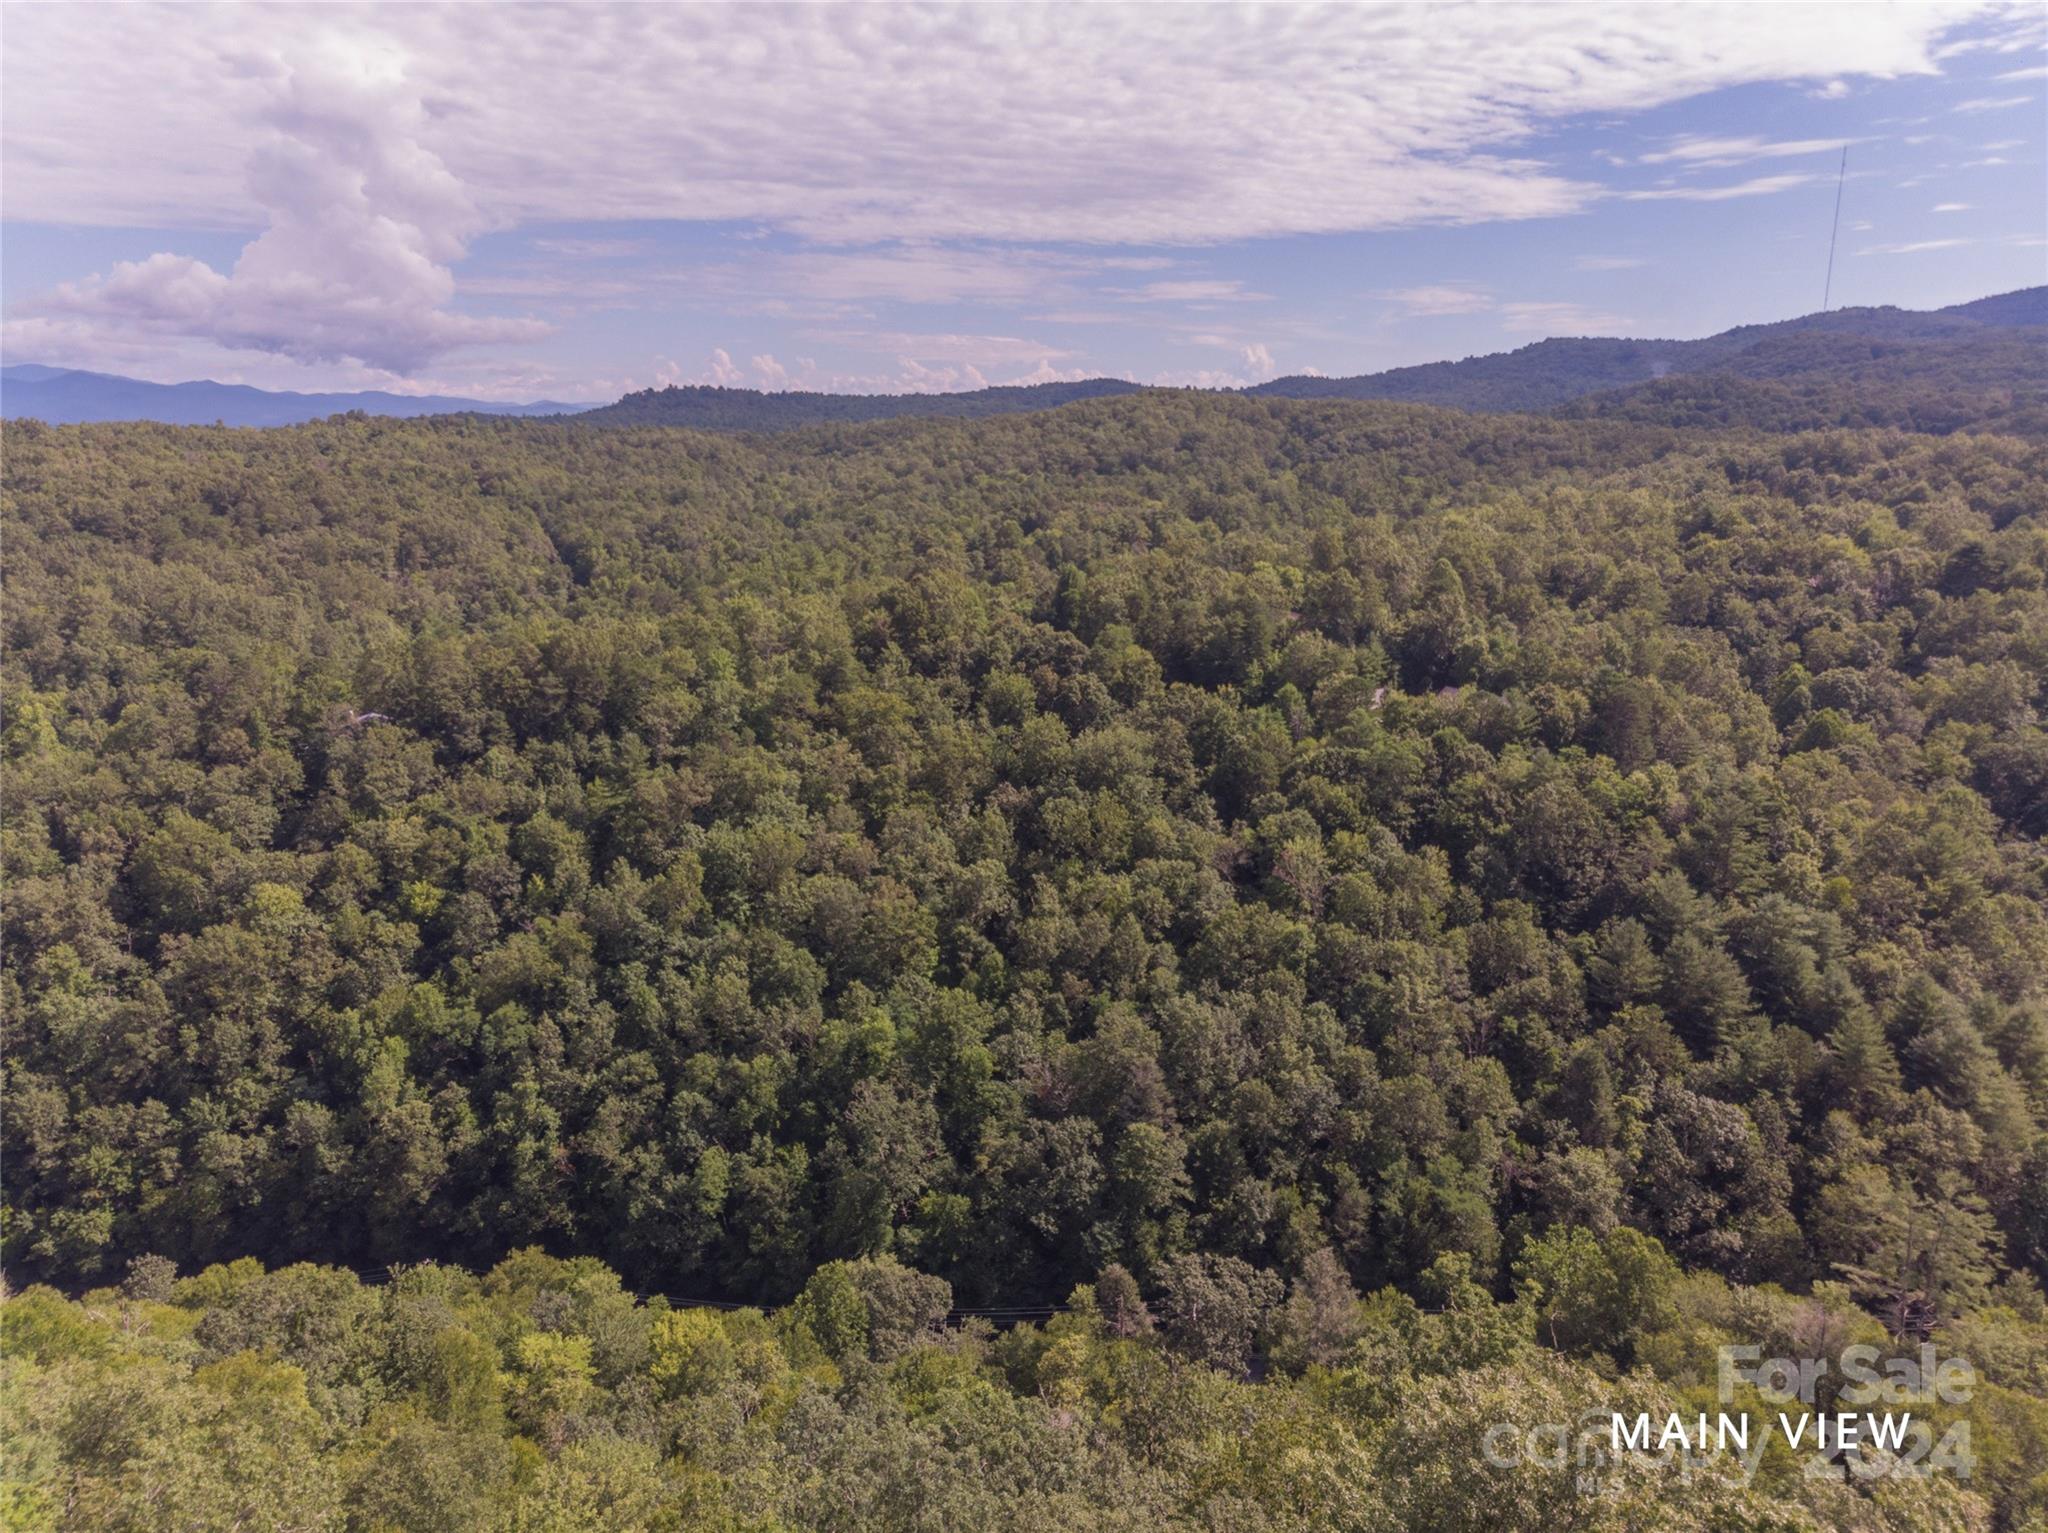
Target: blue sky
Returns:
[571, 202]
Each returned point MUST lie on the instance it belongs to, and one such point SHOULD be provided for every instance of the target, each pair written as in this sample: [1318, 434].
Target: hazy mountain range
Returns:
[66, 396]
[1550, 372]
[1981, 363]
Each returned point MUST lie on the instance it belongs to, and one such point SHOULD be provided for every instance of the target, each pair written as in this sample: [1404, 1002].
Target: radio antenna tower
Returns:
[1835, 233]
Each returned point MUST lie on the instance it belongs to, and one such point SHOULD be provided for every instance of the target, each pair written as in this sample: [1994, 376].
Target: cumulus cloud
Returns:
[1256, 356]
[1137, 125]
[913, 375]
[1201, 378]
[910, 155]
[362, 225]
[1045, 372]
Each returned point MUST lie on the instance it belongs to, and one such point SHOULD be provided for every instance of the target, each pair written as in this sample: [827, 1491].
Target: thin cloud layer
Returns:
[1756, 186]
[1735, 151]
[1095, 124]
[917, 190]
[1444, 299]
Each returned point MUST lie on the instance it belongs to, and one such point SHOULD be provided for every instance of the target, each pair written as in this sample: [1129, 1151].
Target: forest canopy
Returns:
[1230, 855]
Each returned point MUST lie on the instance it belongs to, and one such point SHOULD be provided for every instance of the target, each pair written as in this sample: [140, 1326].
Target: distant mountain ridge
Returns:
[1981, 365]
[64, 396]
[719, 409]
[1553, 372]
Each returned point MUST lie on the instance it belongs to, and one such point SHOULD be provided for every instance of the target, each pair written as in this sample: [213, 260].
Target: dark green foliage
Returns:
[1817, 381]
[1211, 857]
[706, 408]
[1173, 832]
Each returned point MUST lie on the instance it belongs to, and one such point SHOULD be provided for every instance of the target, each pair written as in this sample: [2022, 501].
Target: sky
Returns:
[570, 202]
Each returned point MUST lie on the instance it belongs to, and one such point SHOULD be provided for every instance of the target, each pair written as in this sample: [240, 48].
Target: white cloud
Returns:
[1559, 319]
[910, 374]
[1256, 356]
[1759, 186]
[363, 223]
[1448, 298]
[1735, 151]
[2031, 72]
[984, 351]
[1607, 263]
[1193, 290]
[1202, 378]
[592, 249]
[1045, 372]
[909, 273]
[1147, 125]
[1912, 248]
[1992, 103]
[1952, 207]
[906, 155]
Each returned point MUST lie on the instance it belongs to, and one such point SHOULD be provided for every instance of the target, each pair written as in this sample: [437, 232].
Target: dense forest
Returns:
[1457, 915]
[1815, 381]
[541, 1397]
[708, 408]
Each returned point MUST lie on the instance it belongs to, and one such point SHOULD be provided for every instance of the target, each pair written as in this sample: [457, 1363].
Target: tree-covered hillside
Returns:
[1220, 849]
[541, 1397]
[1980, 367]
[1815, 381]
[1994, 344]
[707, 408]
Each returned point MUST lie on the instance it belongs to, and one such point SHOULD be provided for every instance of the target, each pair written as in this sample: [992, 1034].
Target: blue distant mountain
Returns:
[1991, 346]
[1554, 372]
[64, 397]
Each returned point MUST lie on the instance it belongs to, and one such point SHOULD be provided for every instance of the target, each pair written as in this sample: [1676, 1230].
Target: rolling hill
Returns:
[721, 409]
[1550, 373]
[1981, 365]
